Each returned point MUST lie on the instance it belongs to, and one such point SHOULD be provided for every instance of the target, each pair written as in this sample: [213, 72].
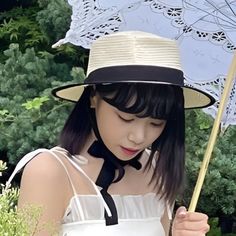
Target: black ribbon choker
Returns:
[107, 174]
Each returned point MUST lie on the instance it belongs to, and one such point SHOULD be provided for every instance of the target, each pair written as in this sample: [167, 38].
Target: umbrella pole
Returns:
[228, 86]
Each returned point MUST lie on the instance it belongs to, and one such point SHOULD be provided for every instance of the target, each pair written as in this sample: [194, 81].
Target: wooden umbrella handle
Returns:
[228, 86]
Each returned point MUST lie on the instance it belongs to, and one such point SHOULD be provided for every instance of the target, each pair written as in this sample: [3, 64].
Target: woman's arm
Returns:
[43, 185]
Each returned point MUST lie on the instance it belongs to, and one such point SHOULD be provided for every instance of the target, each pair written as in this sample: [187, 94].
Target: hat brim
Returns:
[193, 97]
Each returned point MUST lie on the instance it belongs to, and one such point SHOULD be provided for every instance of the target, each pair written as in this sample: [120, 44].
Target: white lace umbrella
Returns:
[204, 29]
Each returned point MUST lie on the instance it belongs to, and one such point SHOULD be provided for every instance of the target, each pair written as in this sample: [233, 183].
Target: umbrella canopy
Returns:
[204, 29]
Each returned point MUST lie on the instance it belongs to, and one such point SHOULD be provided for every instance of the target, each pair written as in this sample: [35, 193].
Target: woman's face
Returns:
[125, 134]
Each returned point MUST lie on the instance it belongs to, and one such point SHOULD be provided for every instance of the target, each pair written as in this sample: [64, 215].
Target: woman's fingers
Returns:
[189, 223]
[188, 233]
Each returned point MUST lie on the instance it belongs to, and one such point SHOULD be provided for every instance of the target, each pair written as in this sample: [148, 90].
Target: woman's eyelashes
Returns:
[130, 119]
[125, 119]
[157, 124]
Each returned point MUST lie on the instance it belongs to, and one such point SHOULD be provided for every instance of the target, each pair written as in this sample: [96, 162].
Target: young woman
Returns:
[120, 162]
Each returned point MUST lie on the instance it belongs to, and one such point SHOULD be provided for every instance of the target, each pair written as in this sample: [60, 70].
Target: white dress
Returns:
[138, 215]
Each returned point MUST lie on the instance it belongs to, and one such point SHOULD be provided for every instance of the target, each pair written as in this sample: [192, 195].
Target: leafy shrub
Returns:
[29, 116]
[19, 25]
[54, 18]
[214, 229]
[218, 195]
[39, 26]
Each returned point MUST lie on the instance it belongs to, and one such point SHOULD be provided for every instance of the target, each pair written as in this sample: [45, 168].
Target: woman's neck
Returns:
[84, 151]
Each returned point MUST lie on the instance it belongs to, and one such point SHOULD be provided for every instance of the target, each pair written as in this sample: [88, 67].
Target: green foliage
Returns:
[71, 55]
[219, 190]
[229, 234]
[40, 26]
[3, 166]
[54, 18]
[214, 229]
[17, 11]
[29, 116]
[36, 103]
[20, 26]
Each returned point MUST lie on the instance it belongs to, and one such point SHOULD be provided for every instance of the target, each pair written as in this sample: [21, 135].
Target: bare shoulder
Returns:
[45, 184]
[44, 165]
[43, 180]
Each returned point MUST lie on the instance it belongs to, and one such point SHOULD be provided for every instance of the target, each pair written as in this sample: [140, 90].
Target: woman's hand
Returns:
[189, 223]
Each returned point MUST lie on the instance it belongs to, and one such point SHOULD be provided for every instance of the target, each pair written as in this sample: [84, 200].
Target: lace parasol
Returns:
[204, 29]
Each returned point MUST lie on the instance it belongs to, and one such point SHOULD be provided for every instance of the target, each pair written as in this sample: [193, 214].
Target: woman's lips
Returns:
[129, 151]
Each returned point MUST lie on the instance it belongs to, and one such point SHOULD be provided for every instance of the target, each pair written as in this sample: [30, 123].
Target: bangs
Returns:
[158, 101]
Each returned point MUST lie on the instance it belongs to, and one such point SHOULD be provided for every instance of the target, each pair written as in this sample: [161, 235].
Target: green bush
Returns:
[214, 228]
[29, 116]
[218, 195]
[19, 26]
[54, 18]
[40, 25]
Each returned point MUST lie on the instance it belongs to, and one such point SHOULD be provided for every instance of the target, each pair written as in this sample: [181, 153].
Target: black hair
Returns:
[159, 101]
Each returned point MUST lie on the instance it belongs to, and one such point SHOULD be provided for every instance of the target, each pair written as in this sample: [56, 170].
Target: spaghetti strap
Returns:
[20, 165]
[79, 209]
[73, 161]
[28, 157]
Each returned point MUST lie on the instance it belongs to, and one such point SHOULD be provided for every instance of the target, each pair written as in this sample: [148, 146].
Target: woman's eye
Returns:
[157, 124]
[125, 119]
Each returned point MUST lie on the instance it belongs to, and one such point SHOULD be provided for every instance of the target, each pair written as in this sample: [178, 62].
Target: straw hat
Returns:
[135, 57]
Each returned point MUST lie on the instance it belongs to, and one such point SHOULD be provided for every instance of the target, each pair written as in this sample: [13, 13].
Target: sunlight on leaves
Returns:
[36, 103]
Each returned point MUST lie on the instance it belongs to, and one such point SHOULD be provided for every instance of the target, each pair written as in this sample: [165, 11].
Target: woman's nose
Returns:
[137, 134]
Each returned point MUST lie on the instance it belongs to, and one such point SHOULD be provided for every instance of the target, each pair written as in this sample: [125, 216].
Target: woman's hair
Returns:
[145, 100]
